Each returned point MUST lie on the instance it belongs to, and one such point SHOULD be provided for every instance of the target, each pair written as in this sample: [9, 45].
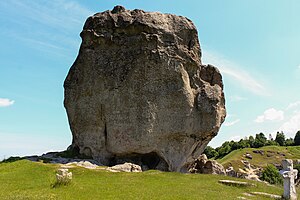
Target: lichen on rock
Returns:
[138, 87]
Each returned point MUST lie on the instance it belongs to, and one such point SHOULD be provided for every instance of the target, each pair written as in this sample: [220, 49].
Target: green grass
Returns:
[235, 157]
[31, 180]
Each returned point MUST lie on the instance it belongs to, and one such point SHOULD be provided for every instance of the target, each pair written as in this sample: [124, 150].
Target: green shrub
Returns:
[271, 175]
[12, 159]
[210, 152]
[73, 152]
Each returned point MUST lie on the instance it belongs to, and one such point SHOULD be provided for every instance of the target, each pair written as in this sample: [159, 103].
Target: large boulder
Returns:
[204, 166]
[138, 89]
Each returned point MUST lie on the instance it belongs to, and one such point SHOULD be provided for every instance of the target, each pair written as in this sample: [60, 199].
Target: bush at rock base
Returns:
[271, 175]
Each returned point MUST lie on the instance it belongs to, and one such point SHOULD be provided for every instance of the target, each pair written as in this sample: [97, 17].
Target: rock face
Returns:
[138, 89]
[204, 166]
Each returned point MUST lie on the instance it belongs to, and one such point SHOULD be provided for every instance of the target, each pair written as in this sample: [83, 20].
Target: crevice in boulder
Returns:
[105, 134]
[147, 161]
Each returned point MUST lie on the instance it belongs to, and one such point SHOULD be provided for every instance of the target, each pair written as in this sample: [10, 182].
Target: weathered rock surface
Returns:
[63, 176]
[126, 167]
[249, 172]
[138, 88]
[204, 166]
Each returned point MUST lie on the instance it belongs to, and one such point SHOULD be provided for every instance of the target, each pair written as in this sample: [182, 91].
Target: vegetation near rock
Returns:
[297, 138]
[271, 175]
[32, 180]
[259, 141]
[280, 138]
[210, 152]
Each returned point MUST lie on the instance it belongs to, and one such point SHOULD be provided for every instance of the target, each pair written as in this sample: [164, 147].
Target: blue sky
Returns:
[255, 44]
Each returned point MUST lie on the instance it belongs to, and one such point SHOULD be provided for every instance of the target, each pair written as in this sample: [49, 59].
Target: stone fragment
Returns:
[248, 155]
[231, 172]
[264, 194]
[249, 172]
[138, 87]
[261, 152]
[237, 183]
[126, 167]
[204, 166]
[213, 167]
[63, 176]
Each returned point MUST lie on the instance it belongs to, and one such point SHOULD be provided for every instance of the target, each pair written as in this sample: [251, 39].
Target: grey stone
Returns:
[213, 167]
[126, 167]
[237, 183]
[204, 166]
[63, 176]
[248, 155]
[138, 86]
[264, 194]
[231, 172]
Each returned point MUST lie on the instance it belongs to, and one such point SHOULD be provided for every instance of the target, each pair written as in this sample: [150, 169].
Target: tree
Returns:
[260, 140]
[271, 175]
[210, 152]
[234, 145]
[289, 142]
[244, 144]
[251, 141]
[280, 138]
[297, 138]
[272, 143]
[224, 149]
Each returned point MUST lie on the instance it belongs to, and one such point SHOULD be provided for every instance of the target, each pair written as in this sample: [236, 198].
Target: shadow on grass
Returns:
[59, 184]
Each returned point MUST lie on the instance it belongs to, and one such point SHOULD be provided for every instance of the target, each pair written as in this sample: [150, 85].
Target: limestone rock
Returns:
[138, 87]
[126, 167]
[63, 176]
[84, 164]
[204, 166]
[237, 183]
[248, 155]
[213, 167]
[231, 172]
[198, 164]
[249, 172]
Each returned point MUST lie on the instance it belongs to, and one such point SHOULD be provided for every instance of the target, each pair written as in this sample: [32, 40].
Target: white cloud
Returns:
[298, 66]
[270, 115]
[232, 122]
[291, 126]
[237, 98]
[6, 102]
[293, 105]
[236, 72]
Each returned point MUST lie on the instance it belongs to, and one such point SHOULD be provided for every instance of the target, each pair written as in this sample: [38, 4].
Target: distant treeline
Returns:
[260, 140]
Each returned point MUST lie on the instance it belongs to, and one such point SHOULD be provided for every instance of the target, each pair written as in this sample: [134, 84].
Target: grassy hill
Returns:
[32, 180]
[268, 155]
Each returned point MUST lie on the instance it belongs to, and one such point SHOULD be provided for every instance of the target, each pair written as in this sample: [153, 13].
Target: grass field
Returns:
[32, 180]
[271, 155]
